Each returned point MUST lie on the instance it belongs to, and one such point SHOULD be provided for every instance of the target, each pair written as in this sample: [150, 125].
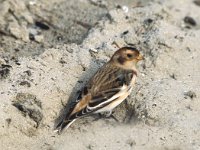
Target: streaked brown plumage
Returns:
[110, 85]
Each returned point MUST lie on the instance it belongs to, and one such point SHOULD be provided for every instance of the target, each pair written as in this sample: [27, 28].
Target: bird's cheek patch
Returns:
[121, 60]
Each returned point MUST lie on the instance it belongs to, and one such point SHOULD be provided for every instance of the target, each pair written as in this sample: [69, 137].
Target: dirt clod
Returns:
[189, 20]
[29, 105]
[4, 71]
[190, 94]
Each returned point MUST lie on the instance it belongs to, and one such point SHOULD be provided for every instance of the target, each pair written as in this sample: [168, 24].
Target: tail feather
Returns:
[63, 124]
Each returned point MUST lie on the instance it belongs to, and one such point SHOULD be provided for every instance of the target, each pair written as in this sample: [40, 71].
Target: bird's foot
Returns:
[108, 115]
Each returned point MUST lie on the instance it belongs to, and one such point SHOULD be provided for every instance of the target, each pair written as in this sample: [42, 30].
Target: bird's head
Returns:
[127, 57]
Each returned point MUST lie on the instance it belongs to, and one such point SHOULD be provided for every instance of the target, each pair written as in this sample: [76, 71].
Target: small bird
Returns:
[109, 86]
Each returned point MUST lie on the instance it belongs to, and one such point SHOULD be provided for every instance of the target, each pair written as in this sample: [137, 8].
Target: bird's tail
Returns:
[63, 124]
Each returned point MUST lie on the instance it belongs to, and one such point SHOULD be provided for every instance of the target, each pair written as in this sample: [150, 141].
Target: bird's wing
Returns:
[69, 117]
[108, 91]
[80, 96]
[98, 102]
[106, 97]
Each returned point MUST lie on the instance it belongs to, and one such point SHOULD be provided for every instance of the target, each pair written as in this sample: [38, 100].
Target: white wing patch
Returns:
[117, 98]
[117, 95]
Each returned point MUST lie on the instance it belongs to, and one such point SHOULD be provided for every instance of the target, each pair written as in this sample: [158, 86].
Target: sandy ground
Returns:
[50, 49]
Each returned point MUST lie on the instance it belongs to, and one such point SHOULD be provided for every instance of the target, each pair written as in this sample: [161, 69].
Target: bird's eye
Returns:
[129, 55]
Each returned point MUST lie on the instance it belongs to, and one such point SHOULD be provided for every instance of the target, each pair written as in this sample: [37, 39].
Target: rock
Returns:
[39, 38]
[189, 20]
[42, 25]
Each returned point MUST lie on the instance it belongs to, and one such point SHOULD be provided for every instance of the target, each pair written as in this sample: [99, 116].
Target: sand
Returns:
[44, 63]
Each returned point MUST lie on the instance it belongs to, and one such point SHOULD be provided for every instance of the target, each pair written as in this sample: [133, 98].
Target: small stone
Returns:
[8, 120]
[93, 50]
[42, 25]
[131, 142]
[28, 72]
[148, 21]
[189, 20]
[197, 2]
[190, 94]
[62, 61]
[70, 50]
[100, 3]
[39, 38]
[25, 83]
[32, 2]
[173, 76]
[33, 31]
[125, 32]
[125, 9]
[4, 71]
[154, 105]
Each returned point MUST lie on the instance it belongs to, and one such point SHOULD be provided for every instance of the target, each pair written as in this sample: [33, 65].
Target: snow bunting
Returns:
[110, 86]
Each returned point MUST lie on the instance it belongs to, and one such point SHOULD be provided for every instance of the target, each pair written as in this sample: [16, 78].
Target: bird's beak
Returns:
[140, 57]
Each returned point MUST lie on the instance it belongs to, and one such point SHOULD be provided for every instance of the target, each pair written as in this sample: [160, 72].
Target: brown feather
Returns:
[106, 78]
[81, 104]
